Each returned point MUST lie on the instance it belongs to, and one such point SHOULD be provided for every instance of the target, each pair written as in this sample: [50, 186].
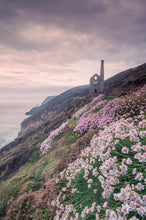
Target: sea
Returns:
[14, 103]
[11, 116]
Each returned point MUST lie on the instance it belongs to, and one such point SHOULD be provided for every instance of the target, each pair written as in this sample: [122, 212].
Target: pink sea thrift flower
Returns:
[134, 171]
[142, 124]
[125, 150]
[98, 208]
[90, 181]
[140, 157]
[108, 171]
[139, 187]
[139, 176]
[95, 191]
[105, 205]
[142, 134]
[129, 161]
[136, 148]
[141, 211]
[113, 215]
[125, 209]
[134, 218]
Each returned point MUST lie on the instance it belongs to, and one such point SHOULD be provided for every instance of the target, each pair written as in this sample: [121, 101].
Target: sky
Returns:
[48, 46]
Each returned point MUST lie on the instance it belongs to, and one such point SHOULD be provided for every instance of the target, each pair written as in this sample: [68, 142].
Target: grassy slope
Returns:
[85, 200]
[28, 182]
[16, 154]
[29, 192]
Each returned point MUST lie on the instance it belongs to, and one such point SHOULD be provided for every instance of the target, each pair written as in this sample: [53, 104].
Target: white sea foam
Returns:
[8, 138]
[11, 116]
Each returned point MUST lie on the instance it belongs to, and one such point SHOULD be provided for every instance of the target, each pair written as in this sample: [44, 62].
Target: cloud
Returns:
[107, 19]
[47, 42]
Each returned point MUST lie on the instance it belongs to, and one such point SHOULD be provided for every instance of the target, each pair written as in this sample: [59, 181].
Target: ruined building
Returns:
[97, 82]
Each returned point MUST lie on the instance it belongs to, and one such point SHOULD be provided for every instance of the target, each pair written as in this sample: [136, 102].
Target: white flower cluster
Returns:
[46, 144]
[98, 98]
[92, 104]
[131, 200]
[103, 150]
[79, 112]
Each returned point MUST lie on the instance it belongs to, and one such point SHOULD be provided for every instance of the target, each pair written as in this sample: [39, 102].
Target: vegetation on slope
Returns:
[121, 81]
[107, 180]
[87, 187]
[26, 193]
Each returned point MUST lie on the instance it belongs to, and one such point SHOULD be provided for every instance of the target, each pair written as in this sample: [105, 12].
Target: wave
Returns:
[8, 138]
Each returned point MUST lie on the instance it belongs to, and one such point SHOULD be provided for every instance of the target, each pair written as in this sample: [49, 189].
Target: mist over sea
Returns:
[14, 103]
[11, 116]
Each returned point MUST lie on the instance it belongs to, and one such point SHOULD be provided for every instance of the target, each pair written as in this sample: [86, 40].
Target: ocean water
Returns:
[14, 103]
[11, 116]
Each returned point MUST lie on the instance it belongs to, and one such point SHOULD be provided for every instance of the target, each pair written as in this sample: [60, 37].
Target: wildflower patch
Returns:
[108, 180]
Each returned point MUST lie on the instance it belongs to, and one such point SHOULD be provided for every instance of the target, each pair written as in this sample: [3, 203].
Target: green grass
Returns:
[34, 173]
[44, 214]
[70, 137]
[3, 208]
[66, 138]
[110, 97]
[85, 197]
[99, 108]
[27, 175]
[34, 154]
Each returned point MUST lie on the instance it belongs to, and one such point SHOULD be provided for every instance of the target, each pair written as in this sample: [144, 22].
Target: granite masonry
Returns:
[97, 82]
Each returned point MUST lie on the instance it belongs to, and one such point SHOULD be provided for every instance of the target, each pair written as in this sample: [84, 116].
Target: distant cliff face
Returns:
[51, 109]
[36, 109]
[116, 84]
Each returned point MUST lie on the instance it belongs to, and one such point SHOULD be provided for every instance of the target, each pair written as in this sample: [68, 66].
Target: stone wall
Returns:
[97, 82]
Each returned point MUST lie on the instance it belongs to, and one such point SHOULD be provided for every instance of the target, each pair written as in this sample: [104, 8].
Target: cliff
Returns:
[36, 109]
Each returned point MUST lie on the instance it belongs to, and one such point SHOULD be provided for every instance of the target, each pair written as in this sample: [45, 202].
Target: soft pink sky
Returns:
[49, 46]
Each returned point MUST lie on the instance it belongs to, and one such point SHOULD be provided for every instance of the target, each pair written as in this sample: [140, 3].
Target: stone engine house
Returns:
[97, 82]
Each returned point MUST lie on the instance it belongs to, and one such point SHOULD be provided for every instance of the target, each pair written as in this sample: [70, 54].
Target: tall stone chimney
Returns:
[102, 67]
[102, 76]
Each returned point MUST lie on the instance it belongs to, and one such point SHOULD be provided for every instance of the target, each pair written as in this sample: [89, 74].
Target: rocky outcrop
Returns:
[48, 99]
[36, 109]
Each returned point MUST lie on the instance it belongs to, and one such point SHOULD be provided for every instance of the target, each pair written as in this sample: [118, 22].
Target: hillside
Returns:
[47, 112]
[82, 163]
[52, 108]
